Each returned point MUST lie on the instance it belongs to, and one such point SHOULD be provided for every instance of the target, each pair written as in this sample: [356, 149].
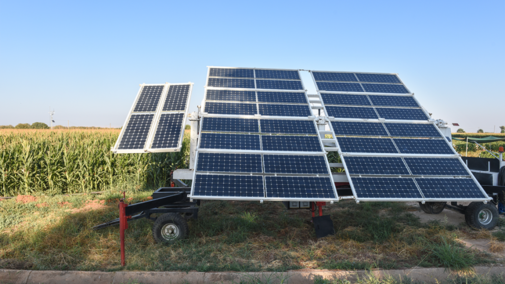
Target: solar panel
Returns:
[385, 88]
[229, 141]
[149, 98]
[412, 130]
[351, 112]
[332, 76]
[400, 101]
[385, 188]
[402, 113]
[282, 97]
[284, 110]
[231, 163]
[277, 74]
[231, 72]
[230, 108]
[227, 95]
[379, 78]
[230, 125]
[423, 146]
[359, 128]
[376, 166]
[449, 188]
[436, 167]
[299, 187]
[342, 99]
[295, 164]
[343, 87]
[279, 84]
[137, 129]
[366, 145]
[229, 186]
[168, 131]
[231, 83]
[177, 98]
[291, 143]
[288, 126]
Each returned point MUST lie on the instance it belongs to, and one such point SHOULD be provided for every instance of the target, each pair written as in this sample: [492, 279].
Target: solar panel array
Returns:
[259, 140]
[156, 120]
[389, 146]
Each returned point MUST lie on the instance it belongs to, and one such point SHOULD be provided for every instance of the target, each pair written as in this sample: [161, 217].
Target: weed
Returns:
[452, 256]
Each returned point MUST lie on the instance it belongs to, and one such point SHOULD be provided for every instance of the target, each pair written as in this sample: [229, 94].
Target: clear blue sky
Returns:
[86, 59]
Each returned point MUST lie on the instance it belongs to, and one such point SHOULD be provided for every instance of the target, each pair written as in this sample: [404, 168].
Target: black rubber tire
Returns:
[481, 216]
[432, 207]
[170, 223]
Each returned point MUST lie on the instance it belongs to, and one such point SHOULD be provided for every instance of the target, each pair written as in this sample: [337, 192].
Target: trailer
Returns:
[259, 136]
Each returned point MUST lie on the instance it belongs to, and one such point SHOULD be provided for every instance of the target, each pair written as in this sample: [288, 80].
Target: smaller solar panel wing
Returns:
[334, 76]
[231, 72]
[228, 186]
[279, 84]
[376, 166]
[229, 141]
[284, 110]
[136, 132]
[423, 146]
[177, 98]
[231, 83]
[230, 108]
[385, 88]
[149, 98]
[449, 188]
[366, 145]
[412, 130]
[277, 74]
[358, 128]
[339, 87]
[291, 143]
[343, 99]
[282, 97]
[216, 124]
[231, 163]
[351, 112]
[402, 113]
[400, 101]
[436, 167]
[295, 164]
[386, 188]
[378, 78]
[288, 126]
[299, 187]
[169, 131]
[228, 95]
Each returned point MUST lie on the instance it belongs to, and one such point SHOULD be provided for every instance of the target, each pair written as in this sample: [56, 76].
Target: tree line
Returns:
[461, 130]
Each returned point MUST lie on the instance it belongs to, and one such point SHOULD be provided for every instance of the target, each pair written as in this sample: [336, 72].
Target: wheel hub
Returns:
[485, 216]
[170, 232]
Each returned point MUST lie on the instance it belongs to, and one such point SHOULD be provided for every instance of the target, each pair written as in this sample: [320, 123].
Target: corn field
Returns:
[53, 162]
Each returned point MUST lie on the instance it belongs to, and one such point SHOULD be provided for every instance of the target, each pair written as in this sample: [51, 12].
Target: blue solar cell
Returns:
[227, 95]
[423, 146]
[449, 188]
[299, 187]
[285, 110]
[342, 87]
[229, 141]
[230, 108]
[332, 76]
[366, 145]
[288, 126]
[231, 83]
[177, 98]
[230, 124]
[402, 113]
[385, 188]
[277, 74]
[341, 99]
[291, 143]
[169, 131]
[231, 72]
[149, 98]
[351, 112]
[412, 130]
[284, 164]
[228, 186]
[378, 78]
[385, 88]
[279, 84]
[436, 167]
[231, 163]
[376, 166]
[400, 101]
[137, 129]
[359, 128]
[282, 97]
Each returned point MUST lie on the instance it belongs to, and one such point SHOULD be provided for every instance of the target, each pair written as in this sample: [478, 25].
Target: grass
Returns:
[371, 279]
[54, 232]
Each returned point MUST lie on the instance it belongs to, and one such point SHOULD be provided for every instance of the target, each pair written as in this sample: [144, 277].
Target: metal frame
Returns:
[154, 123]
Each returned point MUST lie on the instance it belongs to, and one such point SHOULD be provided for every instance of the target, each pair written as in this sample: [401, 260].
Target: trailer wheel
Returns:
[170, 227]
[432, 207]
[481, 216]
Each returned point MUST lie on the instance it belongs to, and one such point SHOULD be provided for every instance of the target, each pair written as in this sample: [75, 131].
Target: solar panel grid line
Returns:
[149, 98]
[434, 191]
[380, 188]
